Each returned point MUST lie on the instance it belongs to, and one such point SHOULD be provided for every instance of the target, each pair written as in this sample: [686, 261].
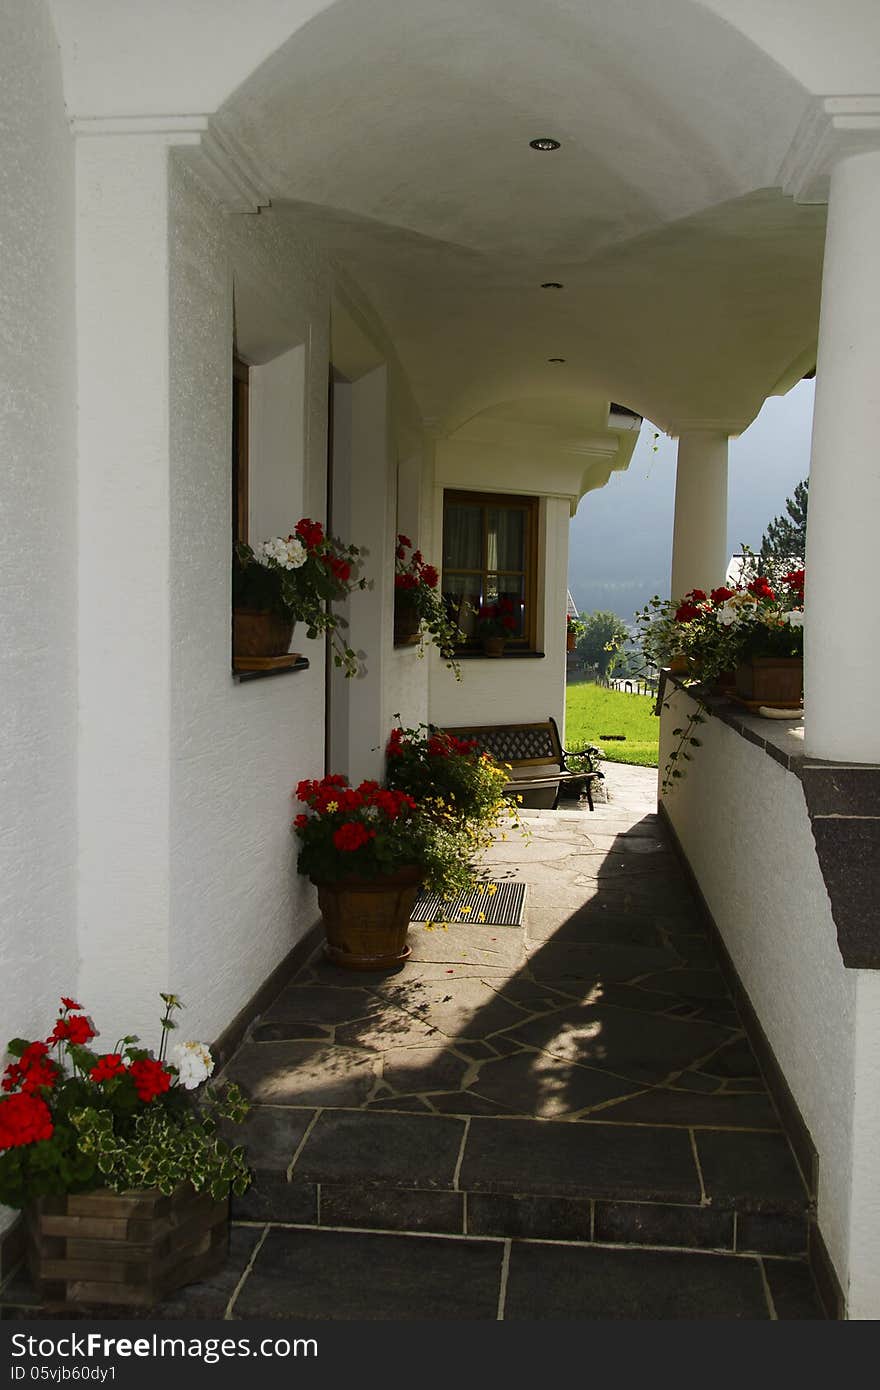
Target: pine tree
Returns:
[786, 536]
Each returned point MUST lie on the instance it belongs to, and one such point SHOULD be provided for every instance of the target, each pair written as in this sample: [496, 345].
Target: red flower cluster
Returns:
[341, 569]
[311, 533]
[395, 745]
[76, 1030]
[107, 1066]
[719, 596]
[32, 1070]
[24, 1119]
[409, 574]
[503, 612]
[150, 1078]
[447, 746]
[760, 587]
[332, 796]
[351, 835]
[686, 612]
[795, 580]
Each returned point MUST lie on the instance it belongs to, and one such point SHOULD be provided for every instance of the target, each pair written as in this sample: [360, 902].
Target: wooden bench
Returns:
[537, 760]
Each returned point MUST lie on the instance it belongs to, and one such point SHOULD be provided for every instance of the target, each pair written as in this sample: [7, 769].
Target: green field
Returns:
[591, 711]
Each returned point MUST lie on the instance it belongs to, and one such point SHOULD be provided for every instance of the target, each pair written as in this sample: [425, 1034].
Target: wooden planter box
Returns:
[129, 1248]
[771, 680]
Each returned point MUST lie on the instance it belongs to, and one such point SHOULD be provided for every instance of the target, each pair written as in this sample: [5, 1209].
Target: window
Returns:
[240, 389]
[490, 553]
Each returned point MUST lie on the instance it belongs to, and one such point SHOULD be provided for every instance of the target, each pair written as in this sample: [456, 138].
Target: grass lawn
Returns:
[591, 712]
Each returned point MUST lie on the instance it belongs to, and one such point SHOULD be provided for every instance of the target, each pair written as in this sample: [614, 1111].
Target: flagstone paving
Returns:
[424, 1139]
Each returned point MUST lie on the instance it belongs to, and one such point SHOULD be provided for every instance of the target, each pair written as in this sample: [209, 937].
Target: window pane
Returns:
[462, 595]
[506, 528]
[463, 537]
[509, 592]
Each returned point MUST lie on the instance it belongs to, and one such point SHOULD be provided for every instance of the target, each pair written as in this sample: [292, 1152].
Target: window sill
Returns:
[505, 656]
[301, 664]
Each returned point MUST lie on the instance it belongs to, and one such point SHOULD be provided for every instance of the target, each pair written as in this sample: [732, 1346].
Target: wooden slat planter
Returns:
[128, 1248]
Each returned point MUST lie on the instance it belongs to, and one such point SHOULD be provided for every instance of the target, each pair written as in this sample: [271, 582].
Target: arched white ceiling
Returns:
[397, 132]
[399, 137]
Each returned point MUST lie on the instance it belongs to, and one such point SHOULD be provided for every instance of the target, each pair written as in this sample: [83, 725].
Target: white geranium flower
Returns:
[194, 1063]
[795, 618]
[727, 614]
[286, 554]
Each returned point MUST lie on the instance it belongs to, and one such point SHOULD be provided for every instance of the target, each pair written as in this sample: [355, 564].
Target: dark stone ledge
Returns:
[843, 803]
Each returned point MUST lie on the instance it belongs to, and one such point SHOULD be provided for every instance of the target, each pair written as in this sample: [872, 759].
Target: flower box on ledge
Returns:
[124, 1247]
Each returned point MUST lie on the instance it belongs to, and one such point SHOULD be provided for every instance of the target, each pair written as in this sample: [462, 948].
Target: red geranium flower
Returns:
[760, 587]
[404, 540]
[71, 1004]
[351, 836]
[430, 576]
[76, 1030]
[697, 595]
[311, 533]
[150, 1078]
[721, 595]
[111, 1064]
[24, 1119]
[686, 613]
[301, 821]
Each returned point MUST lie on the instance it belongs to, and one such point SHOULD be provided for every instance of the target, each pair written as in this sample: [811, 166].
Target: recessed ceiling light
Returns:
[544, 142]
[555, 359]
[551, 285]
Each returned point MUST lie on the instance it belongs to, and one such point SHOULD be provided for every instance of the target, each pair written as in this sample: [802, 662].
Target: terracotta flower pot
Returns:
[259, 632]
[366, 920]
[493, 646]
[130, 1248]
[570, 642]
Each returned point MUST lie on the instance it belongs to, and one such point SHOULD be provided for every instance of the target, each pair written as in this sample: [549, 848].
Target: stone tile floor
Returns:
[558, 1120]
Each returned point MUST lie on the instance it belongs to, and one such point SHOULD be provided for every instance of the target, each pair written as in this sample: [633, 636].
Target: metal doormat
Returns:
[490, 904]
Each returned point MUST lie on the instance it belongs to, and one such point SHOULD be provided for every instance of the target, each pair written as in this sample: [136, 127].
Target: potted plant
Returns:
[575, 628]
[123, 1180]
[450, 778]
[747, 639]
[419, 609]
[368, 849]
[496, 622]
[288, 580]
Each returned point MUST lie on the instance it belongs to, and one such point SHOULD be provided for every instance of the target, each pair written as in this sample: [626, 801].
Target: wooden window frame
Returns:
[240, 454]
[530, 505]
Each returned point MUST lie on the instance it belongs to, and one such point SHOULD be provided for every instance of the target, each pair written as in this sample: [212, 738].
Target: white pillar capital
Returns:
[214, 154]
[831, 129]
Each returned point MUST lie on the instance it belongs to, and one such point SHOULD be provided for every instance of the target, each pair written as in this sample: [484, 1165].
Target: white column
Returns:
[841, 638]
[124, 577]
[699, 542]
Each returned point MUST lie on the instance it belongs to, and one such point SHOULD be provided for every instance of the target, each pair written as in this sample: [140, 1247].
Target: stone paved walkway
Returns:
[558, 1120]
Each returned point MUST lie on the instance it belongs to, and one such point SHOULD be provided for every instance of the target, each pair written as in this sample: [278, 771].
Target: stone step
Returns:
[587, 1181]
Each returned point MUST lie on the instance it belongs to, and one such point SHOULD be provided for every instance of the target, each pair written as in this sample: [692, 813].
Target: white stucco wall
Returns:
[514, 690]
[38, 506]
[742, 821]
[237, 904]
[38, 957]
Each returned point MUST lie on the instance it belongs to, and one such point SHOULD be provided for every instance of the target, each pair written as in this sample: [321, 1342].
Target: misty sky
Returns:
[621, 538]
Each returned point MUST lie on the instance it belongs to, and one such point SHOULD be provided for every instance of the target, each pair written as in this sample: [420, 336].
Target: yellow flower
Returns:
[481, 917]
[492, 889]
[466, 910]
[332, 805]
